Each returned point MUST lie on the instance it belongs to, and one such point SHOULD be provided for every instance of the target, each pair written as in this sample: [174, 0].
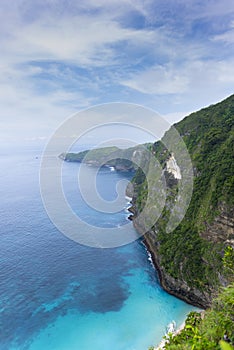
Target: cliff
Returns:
[190, 260]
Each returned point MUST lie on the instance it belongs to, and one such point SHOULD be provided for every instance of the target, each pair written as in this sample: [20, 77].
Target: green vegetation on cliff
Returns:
[89, 155]
[210, 331]
[126, 159]
[209, 137]
[193, 253]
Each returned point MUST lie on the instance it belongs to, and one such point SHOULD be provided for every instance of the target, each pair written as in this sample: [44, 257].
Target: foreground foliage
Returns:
[208, 333]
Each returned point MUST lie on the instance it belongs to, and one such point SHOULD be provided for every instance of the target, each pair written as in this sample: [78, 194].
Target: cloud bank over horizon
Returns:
[62, 56]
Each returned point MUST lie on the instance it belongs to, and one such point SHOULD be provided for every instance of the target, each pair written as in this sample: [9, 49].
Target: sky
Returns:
[59, 57]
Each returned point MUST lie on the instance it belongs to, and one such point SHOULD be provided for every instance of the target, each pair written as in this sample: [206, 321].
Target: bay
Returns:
[56, 294]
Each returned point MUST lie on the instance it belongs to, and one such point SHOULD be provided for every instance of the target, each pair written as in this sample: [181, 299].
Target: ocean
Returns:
[56, 294]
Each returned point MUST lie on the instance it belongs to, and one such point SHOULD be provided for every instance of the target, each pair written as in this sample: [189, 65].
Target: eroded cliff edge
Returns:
[190, 260]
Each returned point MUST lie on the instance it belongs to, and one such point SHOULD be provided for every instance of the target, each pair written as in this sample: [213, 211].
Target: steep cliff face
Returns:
[190, 260]
[221, 230]
[177, 287]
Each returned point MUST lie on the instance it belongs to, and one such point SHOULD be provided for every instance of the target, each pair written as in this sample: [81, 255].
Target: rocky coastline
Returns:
[191, 259]
[175, 287]
[178, 288]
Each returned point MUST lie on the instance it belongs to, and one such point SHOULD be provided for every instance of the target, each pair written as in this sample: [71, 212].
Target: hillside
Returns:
[120, 159]
[190, 259]
[210, 331]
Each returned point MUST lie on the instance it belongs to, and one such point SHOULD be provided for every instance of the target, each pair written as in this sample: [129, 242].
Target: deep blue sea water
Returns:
[58, 295]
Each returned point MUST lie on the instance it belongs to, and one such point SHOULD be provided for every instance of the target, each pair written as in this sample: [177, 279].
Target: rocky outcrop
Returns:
[173, 168]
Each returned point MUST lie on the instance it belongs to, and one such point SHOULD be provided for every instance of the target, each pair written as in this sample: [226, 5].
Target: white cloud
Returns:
[85, 40]
[158, 80]
[24, 112]
[192, 76]
[43, 43]
[227, 37]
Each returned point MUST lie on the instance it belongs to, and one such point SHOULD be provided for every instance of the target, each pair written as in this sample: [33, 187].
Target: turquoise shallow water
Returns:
[139, 324]
[58, 295]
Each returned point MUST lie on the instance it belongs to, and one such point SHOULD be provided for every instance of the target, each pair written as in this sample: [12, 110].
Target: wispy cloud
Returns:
[58, 56]
[188, 78]
[227, 36]
[158, 80]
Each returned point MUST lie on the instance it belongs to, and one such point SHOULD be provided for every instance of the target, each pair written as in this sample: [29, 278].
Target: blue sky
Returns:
[59, 57]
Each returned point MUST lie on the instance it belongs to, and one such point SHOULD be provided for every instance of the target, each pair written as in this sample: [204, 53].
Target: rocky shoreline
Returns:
[174, 287]
[177, 288]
